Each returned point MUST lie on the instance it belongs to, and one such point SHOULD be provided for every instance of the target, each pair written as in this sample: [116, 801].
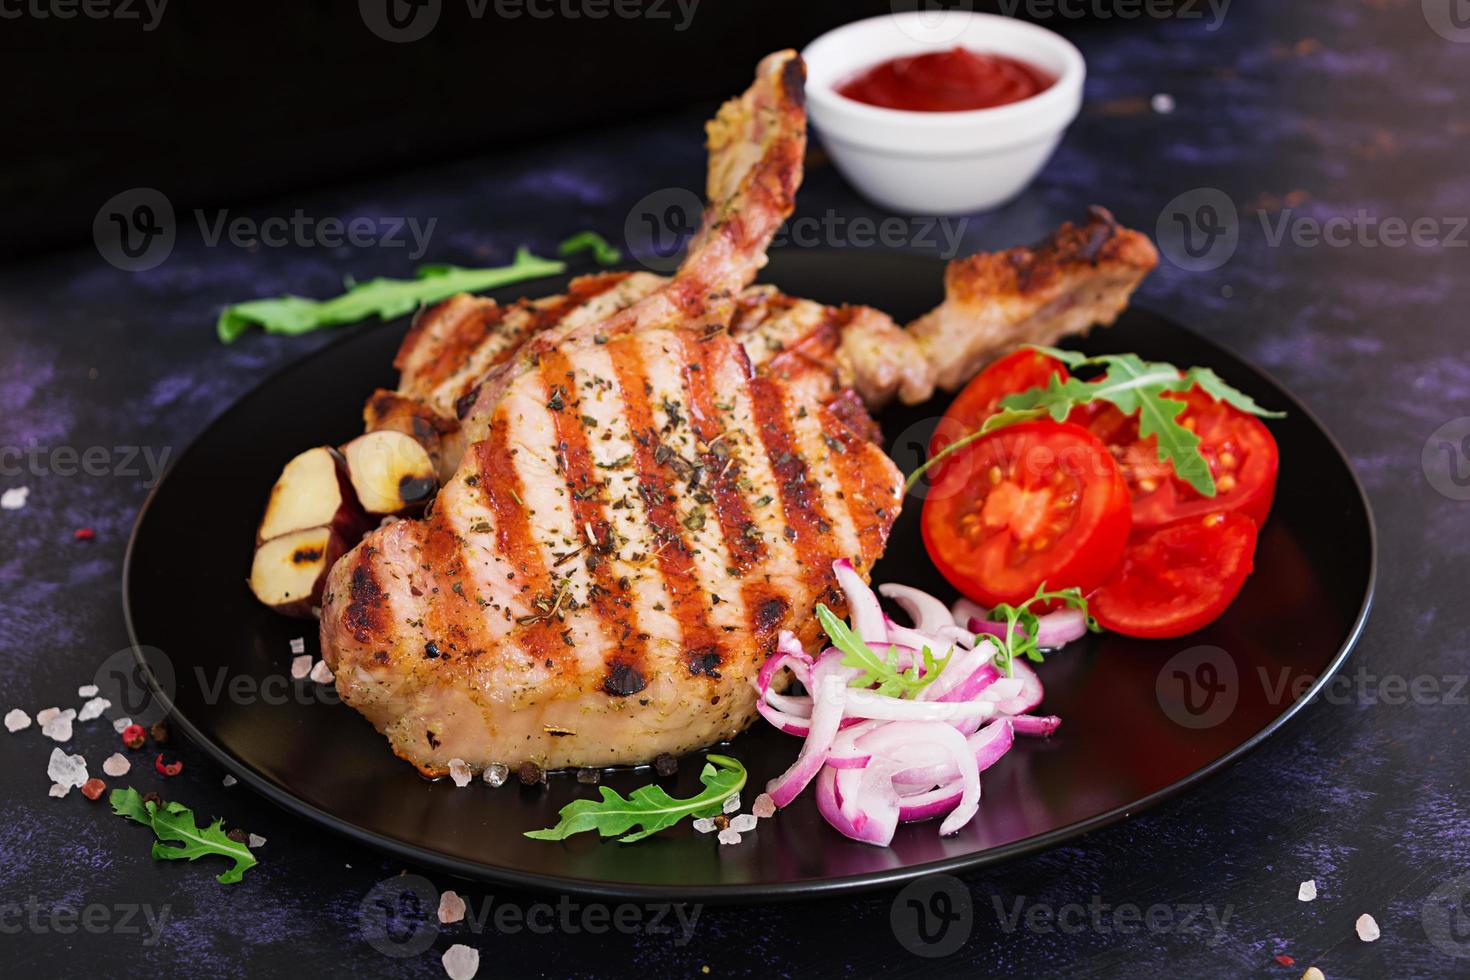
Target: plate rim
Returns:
[739, 892]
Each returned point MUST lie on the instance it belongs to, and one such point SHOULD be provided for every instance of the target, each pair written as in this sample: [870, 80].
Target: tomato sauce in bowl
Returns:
[957, 80]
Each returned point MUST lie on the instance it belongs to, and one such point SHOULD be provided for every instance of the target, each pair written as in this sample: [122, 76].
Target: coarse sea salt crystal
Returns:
[1367, 928]
[743, 823]
[16, 720]
[255, 840]
[14, 498]
[87, 691]
[1313, 974]
[59, 728]
[460, 772]
[321, 673]
[461, 962]
[704, 824]
[59, 790]
[1307, 890]
[298, 645]
[93, 709]
[300, 666]
[763, 806]
[116, 764]
[121, 724]
[729, 836]
[68, 770]
[451, 907]
[496, 774]
[228, 781]
[732, 803]
[46, 714]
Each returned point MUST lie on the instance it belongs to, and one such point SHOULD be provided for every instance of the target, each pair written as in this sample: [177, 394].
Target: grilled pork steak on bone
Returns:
[638, 514]
[647, 480]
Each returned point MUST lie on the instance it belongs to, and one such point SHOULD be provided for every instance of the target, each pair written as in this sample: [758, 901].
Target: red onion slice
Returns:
[830, 689]
[863, 608]
[927, 612]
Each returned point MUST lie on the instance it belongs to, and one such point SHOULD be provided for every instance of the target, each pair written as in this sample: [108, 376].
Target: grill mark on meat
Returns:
[365, 614]
[468, 334]
[605, 594]
[807, 525]
[858, 487]
[500, 485]
[691, 604]
[746, 546]
[452, 615]
[527, 318]
[814, 349]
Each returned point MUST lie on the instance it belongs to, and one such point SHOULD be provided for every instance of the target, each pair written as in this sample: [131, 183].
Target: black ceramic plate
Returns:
[1141, 719]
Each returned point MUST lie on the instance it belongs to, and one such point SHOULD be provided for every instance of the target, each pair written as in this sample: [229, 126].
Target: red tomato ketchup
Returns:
[947, 81]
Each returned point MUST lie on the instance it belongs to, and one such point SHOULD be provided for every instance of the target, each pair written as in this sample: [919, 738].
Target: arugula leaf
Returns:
[174, 824]
[649, 807]
[1022, 625]
[891, 680]
[387, 298]
[602, 252]
[1134, 386]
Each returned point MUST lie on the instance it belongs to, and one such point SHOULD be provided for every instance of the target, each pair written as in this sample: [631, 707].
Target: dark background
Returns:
[522, 132]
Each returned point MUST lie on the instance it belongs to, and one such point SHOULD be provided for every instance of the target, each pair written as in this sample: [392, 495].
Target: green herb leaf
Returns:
[1022, 624]
[649, 807]
[387, 298]
[882, 673]
[174, 825]
[1134, 386]
[602, 252]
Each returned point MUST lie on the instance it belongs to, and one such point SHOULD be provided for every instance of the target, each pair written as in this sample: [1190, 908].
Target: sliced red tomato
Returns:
[1014, 373]
[1030, 503]
[1177, 578]
[1238, 448]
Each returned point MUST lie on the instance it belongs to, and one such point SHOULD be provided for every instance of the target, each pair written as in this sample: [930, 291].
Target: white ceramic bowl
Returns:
[940, 162]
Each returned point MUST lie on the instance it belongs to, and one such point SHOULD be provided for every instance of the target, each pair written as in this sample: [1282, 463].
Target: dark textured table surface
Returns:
[1342, 117]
